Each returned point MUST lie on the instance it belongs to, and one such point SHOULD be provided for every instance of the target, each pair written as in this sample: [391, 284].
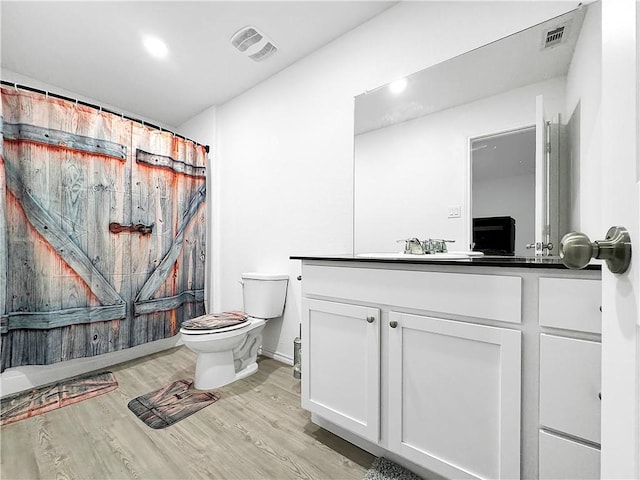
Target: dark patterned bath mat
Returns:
[383, 469]
[56, 395]
[170, 404]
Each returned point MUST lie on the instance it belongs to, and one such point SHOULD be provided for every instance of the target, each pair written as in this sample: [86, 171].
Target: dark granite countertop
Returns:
[485, 261]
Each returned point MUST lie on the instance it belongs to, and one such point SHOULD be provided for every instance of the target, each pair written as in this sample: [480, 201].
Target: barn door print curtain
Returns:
[102, 231]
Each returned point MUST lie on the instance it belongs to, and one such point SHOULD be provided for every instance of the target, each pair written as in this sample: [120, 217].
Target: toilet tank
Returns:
[264, 294]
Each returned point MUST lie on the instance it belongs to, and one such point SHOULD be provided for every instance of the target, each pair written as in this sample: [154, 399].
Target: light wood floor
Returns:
[256, 430]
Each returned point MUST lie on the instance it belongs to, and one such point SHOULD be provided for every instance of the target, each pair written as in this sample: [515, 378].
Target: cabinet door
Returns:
[341, 365]
[454, 396]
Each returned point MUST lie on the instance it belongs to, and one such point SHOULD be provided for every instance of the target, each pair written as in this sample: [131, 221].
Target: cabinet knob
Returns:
[371, 319]
[393, 324]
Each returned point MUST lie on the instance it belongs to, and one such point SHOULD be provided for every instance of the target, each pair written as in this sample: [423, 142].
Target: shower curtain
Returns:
[102, 230]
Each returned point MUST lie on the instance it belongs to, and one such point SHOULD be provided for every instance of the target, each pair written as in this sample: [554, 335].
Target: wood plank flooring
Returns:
[256, 430]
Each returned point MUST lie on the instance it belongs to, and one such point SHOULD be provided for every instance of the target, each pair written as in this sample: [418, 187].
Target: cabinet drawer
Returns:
[566, 459]
[570, 385]
[495, 297]
[570, 303]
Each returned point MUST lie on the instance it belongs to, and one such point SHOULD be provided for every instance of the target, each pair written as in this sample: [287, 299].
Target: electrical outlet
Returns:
[454, 211]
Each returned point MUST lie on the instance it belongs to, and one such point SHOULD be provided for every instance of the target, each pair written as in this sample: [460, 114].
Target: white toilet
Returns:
[229, 353]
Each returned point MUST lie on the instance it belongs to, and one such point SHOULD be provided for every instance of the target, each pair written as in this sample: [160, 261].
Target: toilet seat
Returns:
[190, 331]
[215, 323]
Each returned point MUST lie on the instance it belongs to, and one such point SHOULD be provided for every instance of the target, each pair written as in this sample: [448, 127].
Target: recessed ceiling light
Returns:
[398, 86]
[155, 46]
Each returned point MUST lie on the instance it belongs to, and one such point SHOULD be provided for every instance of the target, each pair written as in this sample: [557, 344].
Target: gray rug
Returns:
[383, 469]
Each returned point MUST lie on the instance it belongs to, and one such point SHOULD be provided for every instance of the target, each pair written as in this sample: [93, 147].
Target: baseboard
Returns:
[277, 356]
[18, 379]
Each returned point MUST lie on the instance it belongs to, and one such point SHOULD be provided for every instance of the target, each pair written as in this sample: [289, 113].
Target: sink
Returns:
[411, 256]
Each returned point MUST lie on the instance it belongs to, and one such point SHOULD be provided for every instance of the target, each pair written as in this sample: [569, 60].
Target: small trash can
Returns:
[297, 362]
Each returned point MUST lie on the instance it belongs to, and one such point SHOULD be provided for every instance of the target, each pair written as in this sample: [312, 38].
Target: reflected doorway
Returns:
[503, 184]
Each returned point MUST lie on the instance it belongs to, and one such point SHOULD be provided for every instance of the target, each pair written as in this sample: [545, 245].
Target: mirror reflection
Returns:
[489, 149]
[503, 192]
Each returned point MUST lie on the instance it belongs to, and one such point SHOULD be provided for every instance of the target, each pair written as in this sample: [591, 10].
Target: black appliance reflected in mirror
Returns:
[494, 235]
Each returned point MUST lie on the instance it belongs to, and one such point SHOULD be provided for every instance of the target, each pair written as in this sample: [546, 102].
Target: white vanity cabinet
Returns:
[457, 370]
[454, 396]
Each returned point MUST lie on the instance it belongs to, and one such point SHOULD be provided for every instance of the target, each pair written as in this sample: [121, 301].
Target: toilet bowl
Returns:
[227, 344]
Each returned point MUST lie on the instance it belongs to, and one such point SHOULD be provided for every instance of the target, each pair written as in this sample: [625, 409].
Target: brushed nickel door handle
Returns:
[393, 324]
[371, 319]
[576, 250]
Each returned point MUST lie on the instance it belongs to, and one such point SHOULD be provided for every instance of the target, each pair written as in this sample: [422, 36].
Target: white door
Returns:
[620, 206]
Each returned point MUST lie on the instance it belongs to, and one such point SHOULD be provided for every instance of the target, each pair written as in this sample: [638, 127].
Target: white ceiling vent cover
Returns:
[253, 43]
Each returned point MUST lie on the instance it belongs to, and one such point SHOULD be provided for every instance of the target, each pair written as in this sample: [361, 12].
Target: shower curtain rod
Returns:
[102, 109]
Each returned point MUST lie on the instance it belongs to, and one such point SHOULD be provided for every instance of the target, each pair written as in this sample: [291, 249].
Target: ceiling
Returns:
[506, 64]
[95, 48]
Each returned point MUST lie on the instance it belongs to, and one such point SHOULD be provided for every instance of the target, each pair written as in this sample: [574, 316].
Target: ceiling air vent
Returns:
[554, 36]
[253, 43]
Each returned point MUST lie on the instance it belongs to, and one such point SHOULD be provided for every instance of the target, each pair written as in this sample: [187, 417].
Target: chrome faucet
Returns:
[413, 246]
[435, 245]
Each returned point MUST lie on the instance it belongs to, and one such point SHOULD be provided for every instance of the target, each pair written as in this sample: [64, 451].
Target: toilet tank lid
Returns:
[265, 276]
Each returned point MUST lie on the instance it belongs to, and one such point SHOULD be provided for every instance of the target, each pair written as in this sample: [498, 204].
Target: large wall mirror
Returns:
[493, 149]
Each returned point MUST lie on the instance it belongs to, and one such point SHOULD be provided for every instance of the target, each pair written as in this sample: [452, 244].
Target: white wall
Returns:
[407, 175]
[584, 85]
[285, 147]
